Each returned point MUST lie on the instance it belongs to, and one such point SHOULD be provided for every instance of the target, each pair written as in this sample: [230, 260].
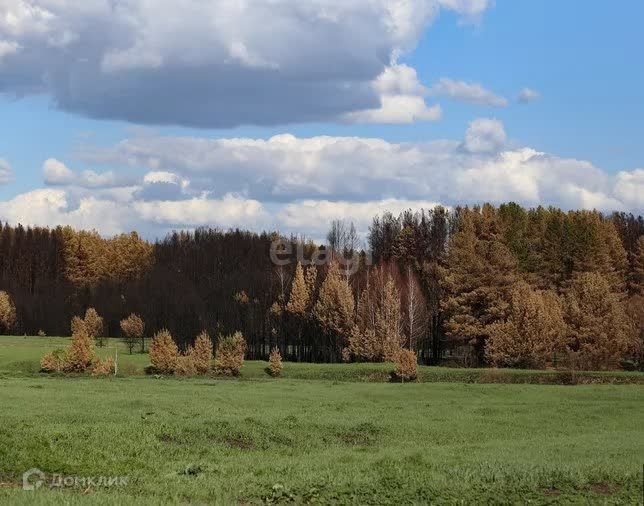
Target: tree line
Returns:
[475, 286]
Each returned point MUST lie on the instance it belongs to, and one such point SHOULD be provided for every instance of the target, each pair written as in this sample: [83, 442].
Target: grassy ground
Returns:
[203, 440]
[20, 356]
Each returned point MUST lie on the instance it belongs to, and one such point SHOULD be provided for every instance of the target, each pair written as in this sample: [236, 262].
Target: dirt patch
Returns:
[604, 488]
[243, 443]
[168, 438]
[552, 491]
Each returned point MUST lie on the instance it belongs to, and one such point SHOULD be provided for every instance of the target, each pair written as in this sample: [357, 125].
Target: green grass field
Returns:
[256, 440]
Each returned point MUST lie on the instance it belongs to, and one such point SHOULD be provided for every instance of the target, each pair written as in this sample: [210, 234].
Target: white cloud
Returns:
[267, 62]
[401, 99]
[484, 136]
[527, 95]
[472, 93]
[629, 188]
[299, 185]
[6, 173]
[56, 173]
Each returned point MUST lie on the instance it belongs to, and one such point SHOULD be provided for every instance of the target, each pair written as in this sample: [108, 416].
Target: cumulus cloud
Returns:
[56, 173]
[266, 62]
[472, 93]
[527, 95]
[298, 185]
[6, 173]
[484, 136]
[401, 99]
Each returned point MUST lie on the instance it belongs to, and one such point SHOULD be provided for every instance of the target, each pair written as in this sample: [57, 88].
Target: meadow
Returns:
[309, 438]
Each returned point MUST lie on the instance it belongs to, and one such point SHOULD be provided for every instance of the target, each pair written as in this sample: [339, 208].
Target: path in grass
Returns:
[204, 440]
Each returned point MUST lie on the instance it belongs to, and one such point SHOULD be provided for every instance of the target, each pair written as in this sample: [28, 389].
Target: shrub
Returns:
[406, 365]
[185, 365]
[275, 363]
[7, 312]
[132, 328]
[201, 354]
[103, 367]
[54, 361]
[80, 354]
[78, 324]
[229, 357]
[164, 352]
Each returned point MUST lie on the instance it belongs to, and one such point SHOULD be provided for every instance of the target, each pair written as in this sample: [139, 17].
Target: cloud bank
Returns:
[145, 62]
[298, 185]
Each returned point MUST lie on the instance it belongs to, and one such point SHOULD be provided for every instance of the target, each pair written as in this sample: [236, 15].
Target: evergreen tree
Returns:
[334, 307]
[533, 330]
[480, 273]
[599, 333]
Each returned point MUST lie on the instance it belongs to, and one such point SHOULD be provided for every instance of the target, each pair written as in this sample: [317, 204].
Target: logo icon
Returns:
[32, 479]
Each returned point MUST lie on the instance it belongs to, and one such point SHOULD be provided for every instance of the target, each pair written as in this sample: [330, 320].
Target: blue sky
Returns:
[583, 58]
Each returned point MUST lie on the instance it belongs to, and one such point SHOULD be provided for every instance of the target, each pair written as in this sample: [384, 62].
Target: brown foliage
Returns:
[93, 323]
[275, 363]
[7, 312]
[377, 334]
[335, 305]
[201, 354]
[599, 331]
[229, 357]
[54, 361]
[531, 333]
[185, 365]
[103, 367]
[480, 273]
[133, 326]
[406, 365]
[80, 354]
[164, 352]
[300, 297]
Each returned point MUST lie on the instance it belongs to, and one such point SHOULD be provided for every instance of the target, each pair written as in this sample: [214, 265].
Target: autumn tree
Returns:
[477, 280]
[599, 331]
[406, 365]
[133, 329]
[377, 333]
[229, 355]
[334, 307]
[415, 310]
[202, 353]
[94, 325]
[80, 355]
[7, 312]
[164, 352]
[275, 363]
[532, 331]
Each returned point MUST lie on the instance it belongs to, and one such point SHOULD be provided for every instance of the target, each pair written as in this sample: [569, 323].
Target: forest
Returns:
[471, 286]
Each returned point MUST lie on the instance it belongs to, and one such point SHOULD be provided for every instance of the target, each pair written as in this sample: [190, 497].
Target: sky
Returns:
[121, 115]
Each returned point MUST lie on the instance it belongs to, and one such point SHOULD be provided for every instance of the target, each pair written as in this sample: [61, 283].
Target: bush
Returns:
[164, 352]
[80, 354]
[7, 312]
[229, 357]
[54, 361]
[201, 354]
[275, 363]
[406, 366]
[185, 365]
[103, 367]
